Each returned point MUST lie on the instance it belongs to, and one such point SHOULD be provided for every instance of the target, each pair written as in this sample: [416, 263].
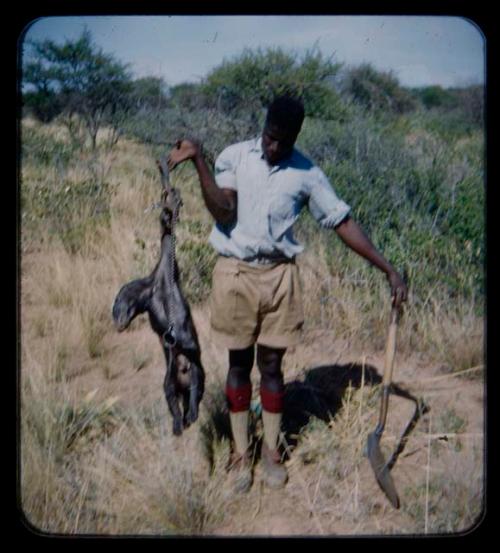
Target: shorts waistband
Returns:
[261, 261]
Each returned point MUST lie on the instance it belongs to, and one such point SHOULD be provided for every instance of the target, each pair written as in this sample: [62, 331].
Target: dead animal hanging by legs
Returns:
[160, 295]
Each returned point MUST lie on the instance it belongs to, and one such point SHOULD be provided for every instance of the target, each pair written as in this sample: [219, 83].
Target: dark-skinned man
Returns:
[259, 188]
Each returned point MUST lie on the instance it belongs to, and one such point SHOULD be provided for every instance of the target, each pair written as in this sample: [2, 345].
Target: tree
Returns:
[377, 90]
[148, 93]
[256, 76]
[436, 96]
[189, 96]
[43, 101]
[471, 102]
[85, 84]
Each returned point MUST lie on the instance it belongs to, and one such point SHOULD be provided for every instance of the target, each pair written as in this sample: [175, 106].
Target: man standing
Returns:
[259, 189]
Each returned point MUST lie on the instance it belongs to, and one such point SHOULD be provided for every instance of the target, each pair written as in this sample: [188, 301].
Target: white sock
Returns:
[272, 424]
[239, 428]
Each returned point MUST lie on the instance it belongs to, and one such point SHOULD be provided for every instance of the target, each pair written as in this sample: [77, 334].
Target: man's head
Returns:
[283, 123]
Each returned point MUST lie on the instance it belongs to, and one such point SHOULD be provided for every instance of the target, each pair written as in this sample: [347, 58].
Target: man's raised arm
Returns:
[220, 202]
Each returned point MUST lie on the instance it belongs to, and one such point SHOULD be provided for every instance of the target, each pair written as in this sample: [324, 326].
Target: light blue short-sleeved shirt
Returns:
[270, 199]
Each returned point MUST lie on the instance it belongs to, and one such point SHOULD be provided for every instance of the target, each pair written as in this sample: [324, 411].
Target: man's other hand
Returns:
[399, 290]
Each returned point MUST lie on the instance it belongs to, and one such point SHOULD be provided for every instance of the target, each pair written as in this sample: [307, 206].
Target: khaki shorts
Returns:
[255, 304]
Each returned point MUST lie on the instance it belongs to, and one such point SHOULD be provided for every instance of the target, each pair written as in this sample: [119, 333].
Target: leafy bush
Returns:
[44, 105]
[43, 149]
[471, 103]
[188, 96]
[148, 93]
[198, 260]
[448, 125]
[377, 90]
[251, 81]
[435, 97]
[68, 209]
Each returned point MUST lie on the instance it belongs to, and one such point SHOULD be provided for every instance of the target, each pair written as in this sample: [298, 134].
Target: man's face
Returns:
[277, 144]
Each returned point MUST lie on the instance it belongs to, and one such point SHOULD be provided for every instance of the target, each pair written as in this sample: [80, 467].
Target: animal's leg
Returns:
[186, 408]
[195, 390]
[170, 388]
[192, 413]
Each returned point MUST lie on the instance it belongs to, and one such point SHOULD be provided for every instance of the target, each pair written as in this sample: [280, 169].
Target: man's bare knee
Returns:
[240, 366]
[269, 363]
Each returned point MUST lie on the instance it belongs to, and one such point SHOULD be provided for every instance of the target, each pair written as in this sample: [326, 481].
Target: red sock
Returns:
[272, 402]
[239, 398]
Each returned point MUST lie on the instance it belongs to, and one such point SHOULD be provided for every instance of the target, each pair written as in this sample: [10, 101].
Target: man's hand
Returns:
[183, 150]
[221, 202]
[399, 290]
[352, 235]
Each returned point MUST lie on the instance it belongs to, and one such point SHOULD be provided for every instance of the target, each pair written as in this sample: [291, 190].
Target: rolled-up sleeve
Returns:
[324, 204]
[225, 168]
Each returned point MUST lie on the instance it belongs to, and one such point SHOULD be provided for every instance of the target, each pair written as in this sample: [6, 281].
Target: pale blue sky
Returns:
[420, 50]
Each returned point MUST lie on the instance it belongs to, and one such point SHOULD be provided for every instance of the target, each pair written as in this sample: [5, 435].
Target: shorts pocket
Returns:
[223, 297]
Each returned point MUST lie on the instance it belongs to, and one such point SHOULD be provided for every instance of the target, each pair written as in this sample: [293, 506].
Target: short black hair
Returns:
[286, 113]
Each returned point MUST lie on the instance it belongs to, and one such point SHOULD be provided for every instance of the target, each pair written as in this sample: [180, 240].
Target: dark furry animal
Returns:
[167, 310]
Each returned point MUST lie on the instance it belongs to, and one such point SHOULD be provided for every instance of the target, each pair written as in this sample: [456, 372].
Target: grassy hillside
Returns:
[97, 453]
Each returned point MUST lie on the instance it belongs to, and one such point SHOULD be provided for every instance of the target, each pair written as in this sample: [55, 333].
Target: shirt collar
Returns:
[257, 147]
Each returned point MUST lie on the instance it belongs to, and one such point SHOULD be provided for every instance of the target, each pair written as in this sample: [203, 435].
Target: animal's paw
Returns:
[191, 416]
[177, 427]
